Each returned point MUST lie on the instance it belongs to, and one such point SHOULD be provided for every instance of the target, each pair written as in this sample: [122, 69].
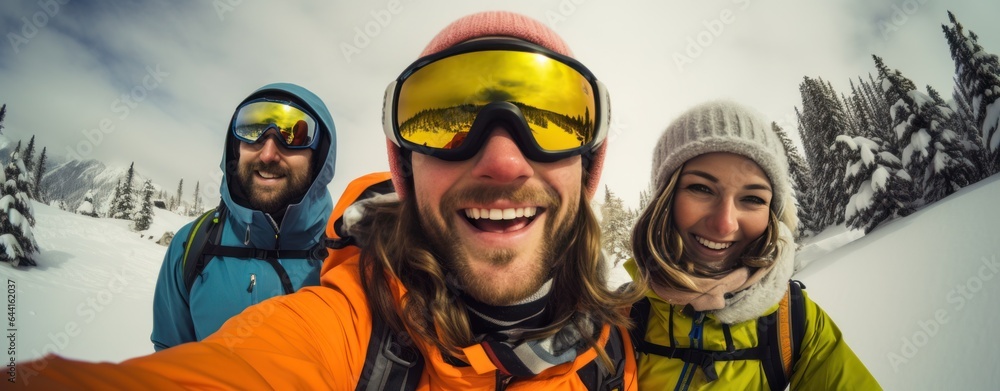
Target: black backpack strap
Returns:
[798, 318]
[596, 377]
[389, 364]
[207, 229]
[203, 244]
[780, 335]
[640, 321]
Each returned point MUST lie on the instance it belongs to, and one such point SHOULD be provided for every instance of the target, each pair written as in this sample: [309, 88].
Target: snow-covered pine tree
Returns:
[978, 77]
[964, 123]
[144, 216]
[876, 181]
[176, 201]
[39, 173]
[87, 207]
[196, 207]
[821, 120]
[952, 166]
[3, 114]
[930, 152]
[29, 155]
[116, 200]
[645, 197]
[801, 180]
[912, 128]
[17, 242]
[126, 197]
[616, 228]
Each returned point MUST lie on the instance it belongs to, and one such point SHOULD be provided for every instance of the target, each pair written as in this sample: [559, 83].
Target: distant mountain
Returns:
[71, 180]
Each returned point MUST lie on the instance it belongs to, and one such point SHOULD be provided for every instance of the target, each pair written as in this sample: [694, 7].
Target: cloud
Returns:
[69, 75]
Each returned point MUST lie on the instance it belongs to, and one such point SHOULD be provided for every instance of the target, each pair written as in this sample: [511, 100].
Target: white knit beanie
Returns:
[723, 126]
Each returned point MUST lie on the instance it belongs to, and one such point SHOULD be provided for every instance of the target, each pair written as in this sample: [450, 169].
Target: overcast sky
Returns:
[163, 78]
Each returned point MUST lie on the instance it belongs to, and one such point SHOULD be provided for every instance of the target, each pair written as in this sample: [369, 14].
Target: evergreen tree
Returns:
[126, 197]
[801, 181]
[951, 167]
[29, 154]
[616, 227]
[912, 129]
[978, 78]
[3, 114]
[116, 200]
[931, 152]
[87, 207]
[196, 203]
[144, 217]
[964, 122]
[175, 205]
[876, 180]
[39, 173]
[821, 120]
[17, 242]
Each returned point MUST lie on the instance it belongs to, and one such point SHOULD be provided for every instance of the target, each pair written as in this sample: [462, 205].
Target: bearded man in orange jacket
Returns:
[486, 258]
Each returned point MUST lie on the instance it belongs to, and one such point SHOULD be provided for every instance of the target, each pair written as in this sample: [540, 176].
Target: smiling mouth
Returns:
[501, 220]
[712, 245]
[268, 175]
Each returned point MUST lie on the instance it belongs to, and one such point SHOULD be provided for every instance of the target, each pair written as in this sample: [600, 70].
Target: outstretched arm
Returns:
[313, 339]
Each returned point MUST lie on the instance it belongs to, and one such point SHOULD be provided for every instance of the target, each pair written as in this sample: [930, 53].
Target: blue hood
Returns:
[312, 211]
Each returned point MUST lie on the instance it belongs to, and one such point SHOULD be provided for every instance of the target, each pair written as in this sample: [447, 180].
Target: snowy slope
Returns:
[916, 298]
[91, 295]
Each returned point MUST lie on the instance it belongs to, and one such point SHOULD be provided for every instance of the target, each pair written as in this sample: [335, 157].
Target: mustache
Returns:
[485, 194]
[272, 167]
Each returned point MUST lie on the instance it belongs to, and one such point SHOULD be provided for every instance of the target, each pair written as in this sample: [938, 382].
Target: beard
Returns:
[448, 245]
[273, 199]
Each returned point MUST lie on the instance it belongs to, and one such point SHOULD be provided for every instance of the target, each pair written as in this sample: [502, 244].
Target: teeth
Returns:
[500, 214]
[712, 245]
[267, 175]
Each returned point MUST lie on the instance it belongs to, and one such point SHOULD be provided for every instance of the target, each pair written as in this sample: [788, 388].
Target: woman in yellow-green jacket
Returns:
[715, 248]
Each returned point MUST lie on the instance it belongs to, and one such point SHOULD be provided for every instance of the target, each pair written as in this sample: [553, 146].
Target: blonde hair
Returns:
[659, 251]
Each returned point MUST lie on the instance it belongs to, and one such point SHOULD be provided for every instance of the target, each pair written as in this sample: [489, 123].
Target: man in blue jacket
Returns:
[279, 158]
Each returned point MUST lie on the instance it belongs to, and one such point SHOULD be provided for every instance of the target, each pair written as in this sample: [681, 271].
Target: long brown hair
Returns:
[659, 251]
[394, 247]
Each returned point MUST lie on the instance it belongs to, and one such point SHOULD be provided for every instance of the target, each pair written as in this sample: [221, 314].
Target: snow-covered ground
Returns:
[916, 299]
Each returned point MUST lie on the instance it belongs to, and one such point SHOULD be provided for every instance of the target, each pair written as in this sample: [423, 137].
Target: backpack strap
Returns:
[207, 228]
[203, 244]
[596, 377]
[389, 364]
[779, 337]
[781, 334]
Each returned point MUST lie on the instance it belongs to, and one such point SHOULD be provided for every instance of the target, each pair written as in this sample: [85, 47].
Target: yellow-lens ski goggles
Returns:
[443, 105]
[296, 127]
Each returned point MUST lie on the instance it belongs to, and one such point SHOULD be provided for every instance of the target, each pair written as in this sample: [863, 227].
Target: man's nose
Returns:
[500, 159]
[269, 149]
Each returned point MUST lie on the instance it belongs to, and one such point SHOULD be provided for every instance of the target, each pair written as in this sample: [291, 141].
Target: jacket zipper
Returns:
[695, 337]
[253, 282]
[503, 381]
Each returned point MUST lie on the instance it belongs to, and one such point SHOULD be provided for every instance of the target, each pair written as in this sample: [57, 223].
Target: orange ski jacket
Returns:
[315, 338]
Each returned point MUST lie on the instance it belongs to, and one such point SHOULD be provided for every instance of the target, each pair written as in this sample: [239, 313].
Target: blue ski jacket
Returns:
[228, 285]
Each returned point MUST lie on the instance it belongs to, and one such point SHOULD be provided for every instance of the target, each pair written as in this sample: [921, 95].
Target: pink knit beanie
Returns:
[495, 23]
